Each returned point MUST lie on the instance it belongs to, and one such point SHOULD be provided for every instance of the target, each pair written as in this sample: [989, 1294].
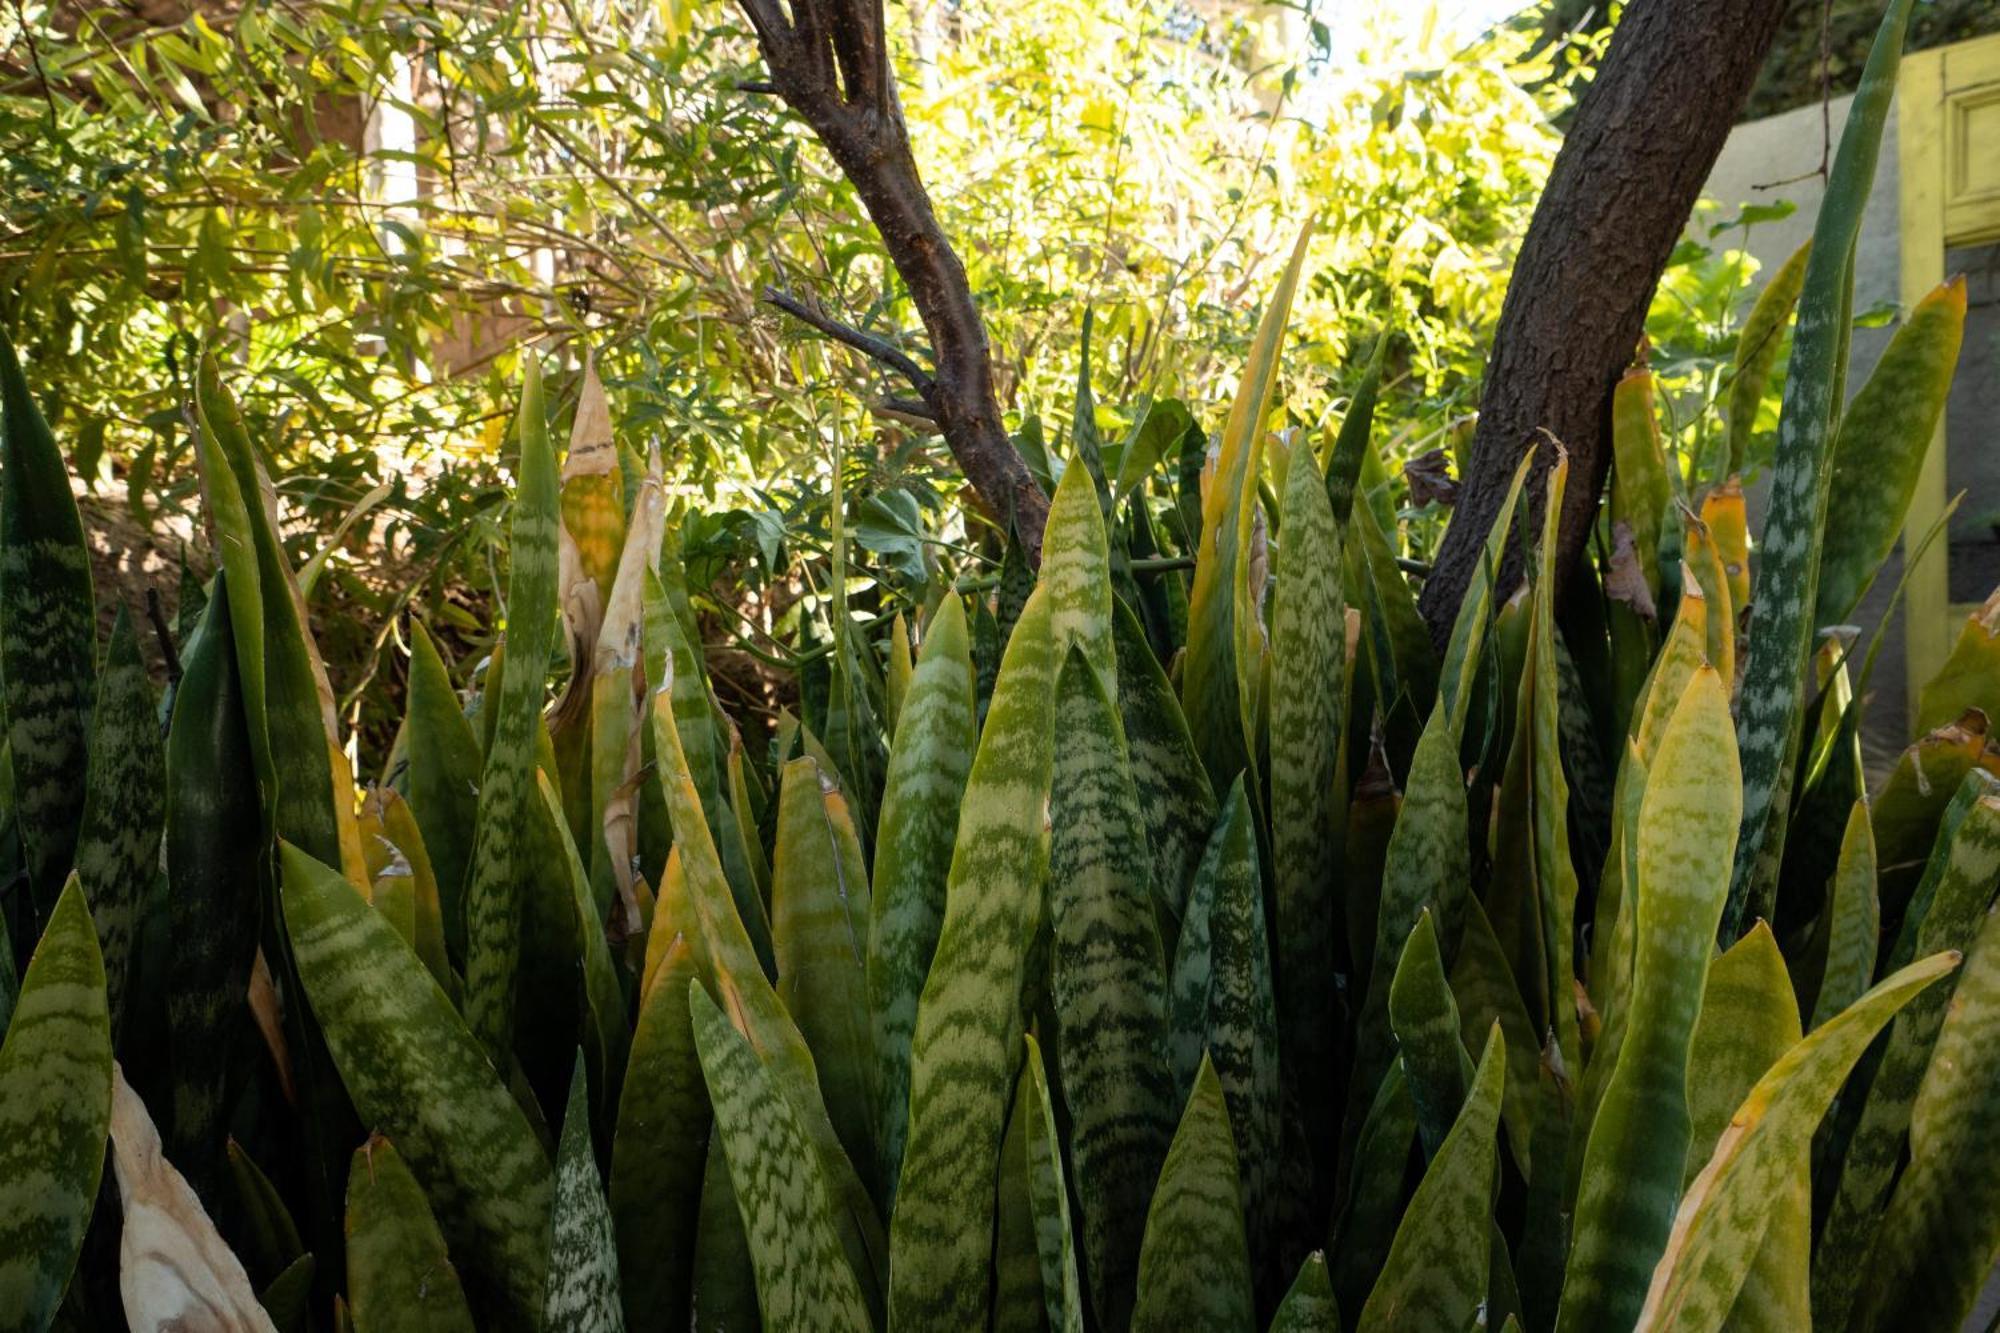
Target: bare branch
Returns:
[879, 349]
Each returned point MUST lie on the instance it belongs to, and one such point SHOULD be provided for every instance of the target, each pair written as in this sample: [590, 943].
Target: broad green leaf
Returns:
[399, 1277]
[1194, 1268]
[803, 1277]
[935, 737]
[1309, 1306]
[55, 1111]
[417, 1074]
[1308, 658]
[1049, 1190]
[1640, 492]
[1222, 1011]
[498, 880]
[1934, 1248]
[1405, 660]
[118, 847]
[1770, 704]
[1424, 1018]
[1108, 978]
[213, 898]
[1484, 989]
[1910, 802]
[819, 929]
[607, 1036]
[1637, 1151]
[1375, 1190]
[48, 635]
[966, 1044]
[1016, 1265]
[1878, 452]
[1076, 569]
[1728, 1206]
[1221, 616]
[583, 1253]
[1757, 352]
[725, 1280]
[1953, 898]
[1968, 677]
[444, 775]
[1749, 1019]
[661, 1143]
[1350, 446]
[1175, 798]
[1852, 920]
[1468, 631]
[1435, 1277]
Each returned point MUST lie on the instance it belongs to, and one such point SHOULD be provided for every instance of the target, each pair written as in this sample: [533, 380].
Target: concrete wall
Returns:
[1779, 158]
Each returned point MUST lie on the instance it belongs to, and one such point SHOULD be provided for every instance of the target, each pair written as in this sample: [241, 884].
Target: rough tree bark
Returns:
[1646, 133]
[829, 62]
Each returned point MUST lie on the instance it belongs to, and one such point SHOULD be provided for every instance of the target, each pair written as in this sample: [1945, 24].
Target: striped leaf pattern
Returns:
[1424, 1018]
[400, 1278]
[1076, 569]
[418, 1074]
[1055, 1241]
[443, 778]
[55, 1111]
[966, 1044]
[583, 1255]
[935, 734]
[1175, 798]
[1852, 920]
[48, 635]
[1108, 976]
[1309, 1306]
[1194, 1267]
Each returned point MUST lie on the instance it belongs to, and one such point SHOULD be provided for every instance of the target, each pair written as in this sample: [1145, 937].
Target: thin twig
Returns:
[868, 344]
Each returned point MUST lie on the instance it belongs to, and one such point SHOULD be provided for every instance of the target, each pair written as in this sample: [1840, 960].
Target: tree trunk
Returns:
[1646, 133]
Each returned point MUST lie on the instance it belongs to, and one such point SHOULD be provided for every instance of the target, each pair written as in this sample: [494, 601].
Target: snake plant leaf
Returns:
[804, 1280]
[1727, 1209]
[1966, 680]
[1640, 491]
[118, 846]
[1016, 1266]
[1462, 654]
[418, 1074]
[1175, 798]
[902, 667]
[499, 878]
[1954, 896]
[936, 733]
[1404, 658]
[213, 897]
[402, 846]
[1108, 977]
[1637, 1150]
[1222, 618]
[1749, 1019]
[1704, 559]
[443, 778]
[1194, 1267]
[607, 1036]
[1757, 352]
[583, 1252]
[1935, 1245]
[1435, 1277]
[1076, 569]
[724, 1279]
[1879, 450]
[590, 537]
[819, 928]
[48, 634]
[658, 1151]
[1853, 918]
[1308, 659]
[1048, 1188]
[1222, 1011]
[55, 1112]
[1375, 1196]
[400, 1278]
[1350, 444]
[1726, 516]
[1913, 799]
[965, 1048]
[1771, 703]
[1424, 1018]
[1309, 1306]
[1484, 990]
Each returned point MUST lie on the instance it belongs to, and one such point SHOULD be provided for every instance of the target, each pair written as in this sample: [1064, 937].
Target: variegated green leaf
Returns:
[1968, 677]
[583, 1253]
[55, 1111]
[1108, 977]
[399, 1277]
[725, 1280]
[1637, 1150]
[1424, 1018]
[1309, 1306]
[819, 928]
[1749, 1019]
[118, 847]
[1375, 1189]
[607, 1037]
[1484, 989]
[418, 1074]
[966, 1044]
[1048, 1188]
[1468, 630]
[1435, 1278]
[1771, 703]
[1728, 1206]
[1076, 569]
[1878, 452]
[803, 1277]
[1194, 1268]
[48, 634]
[1852, 919]
[1350, 446]
[935, 736]
[1757, 352]
[658, 1151]
[1016, 1266]
[1175, 798]
[498, 880]
[443, 778]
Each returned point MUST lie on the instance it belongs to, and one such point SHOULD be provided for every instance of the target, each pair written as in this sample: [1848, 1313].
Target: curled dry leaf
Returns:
[1429, 475]
[1626, 581]
[174, 1270]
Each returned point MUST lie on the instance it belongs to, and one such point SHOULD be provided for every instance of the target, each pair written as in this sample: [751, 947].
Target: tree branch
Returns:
[879, 349]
